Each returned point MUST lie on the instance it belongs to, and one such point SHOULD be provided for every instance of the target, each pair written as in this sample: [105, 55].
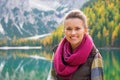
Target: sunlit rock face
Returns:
[26, 18]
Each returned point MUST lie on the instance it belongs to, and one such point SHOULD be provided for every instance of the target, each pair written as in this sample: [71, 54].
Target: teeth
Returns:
[73, 37]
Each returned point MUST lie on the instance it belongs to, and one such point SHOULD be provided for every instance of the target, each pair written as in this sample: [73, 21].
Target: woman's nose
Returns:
[73, 32]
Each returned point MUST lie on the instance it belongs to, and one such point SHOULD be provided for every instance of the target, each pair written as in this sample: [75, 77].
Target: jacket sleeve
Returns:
[97, 68]
[52, 74]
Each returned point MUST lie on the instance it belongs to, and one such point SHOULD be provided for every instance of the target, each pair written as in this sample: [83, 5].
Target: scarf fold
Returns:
[66, 62]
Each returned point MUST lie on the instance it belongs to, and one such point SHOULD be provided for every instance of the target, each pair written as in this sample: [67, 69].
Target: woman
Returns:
[76, 57]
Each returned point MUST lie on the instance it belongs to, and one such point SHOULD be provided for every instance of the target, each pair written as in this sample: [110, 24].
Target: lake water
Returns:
[35, 64]
[111, 64]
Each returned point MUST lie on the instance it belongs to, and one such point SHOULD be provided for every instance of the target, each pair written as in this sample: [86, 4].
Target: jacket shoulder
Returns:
[97, 67]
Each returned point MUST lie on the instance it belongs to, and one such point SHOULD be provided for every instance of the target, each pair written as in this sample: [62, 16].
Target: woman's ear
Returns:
[86, 30]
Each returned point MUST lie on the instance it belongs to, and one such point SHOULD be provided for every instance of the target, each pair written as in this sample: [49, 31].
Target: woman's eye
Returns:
[68, 29]
[77, 28]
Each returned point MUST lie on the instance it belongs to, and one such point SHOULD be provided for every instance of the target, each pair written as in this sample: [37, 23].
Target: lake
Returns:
[35, 64]
[111, 64]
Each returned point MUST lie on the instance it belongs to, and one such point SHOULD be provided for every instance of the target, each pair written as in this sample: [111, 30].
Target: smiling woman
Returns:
[76, 57]
[74, 31]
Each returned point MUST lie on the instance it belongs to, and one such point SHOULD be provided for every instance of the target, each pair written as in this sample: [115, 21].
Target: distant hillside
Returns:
[28, 18]
[103, 20]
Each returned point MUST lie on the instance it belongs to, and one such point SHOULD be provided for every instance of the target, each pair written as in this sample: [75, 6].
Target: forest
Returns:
[103, 21]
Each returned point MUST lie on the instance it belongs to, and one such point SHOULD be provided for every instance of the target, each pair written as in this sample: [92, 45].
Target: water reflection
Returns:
[24, 64]
[35, 64]
[111, 64]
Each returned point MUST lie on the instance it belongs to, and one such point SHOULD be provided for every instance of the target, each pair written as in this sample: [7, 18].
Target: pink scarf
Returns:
[65, 62]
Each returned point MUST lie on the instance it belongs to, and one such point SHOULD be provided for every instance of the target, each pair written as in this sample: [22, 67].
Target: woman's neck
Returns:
[74, 46]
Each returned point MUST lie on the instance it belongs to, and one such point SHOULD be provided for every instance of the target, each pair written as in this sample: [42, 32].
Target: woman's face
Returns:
[74, 31]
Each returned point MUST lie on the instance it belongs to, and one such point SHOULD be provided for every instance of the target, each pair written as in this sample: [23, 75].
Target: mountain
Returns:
[28, 18]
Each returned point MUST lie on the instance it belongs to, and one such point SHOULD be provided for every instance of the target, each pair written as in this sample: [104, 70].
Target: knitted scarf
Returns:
[67, 62]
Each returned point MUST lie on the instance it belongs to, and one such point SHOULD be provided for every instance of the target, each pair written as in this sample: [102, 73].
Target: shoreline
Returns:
[39, 47]
[20, 47]
[109, 48]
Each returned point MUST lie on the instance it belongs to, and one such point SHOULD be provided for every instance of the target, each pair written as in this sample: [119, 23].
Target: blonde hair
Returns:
[77, 14]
